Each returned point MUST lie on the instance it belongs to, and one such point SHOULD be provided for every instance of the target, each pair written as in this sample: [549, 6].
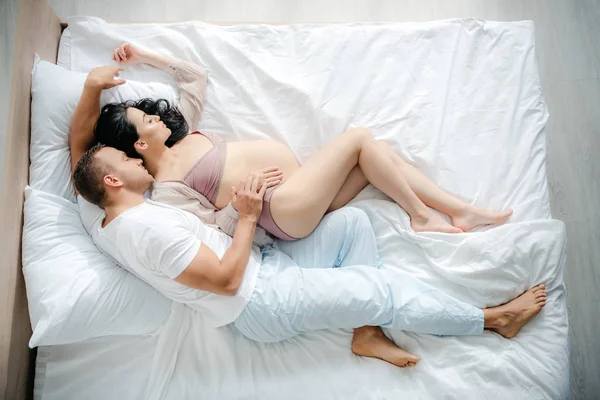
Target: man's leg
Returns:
[299, 300]
[344, 237]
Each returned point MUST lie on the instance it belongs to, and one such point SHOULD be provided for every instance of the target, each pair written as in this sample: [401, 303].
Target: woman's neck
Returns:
[158, 161]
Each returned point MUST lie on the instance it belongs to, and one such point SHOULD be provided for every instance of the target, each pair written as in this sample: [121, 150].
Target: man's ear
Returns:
[112, 181]
[140, 146]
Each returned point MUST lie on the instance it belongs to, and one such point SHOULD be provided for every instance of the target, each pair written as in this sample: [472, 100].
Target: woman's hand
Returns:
[129, 54]
[104, 77]
[270, 177]
[265, 178]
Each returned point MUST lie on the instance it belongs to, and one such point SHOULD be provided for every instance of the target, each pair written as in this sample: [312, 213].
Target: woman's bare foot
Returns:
[509, 318]
[369, 341]
[475, 216]
[432, 223]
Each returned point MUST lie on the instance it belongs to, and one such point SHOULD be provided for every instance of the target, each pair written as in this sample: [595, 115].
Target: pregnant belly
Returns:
[252, 156]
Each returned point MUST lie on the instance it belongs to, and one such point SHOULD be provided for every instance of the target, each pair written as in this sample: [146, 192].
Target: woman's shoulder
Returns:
[166, 188]
[177, 192]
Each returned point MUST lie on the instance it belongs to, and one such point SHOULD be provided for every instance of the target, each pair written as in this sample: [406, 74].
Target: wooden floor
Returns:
[568, 52]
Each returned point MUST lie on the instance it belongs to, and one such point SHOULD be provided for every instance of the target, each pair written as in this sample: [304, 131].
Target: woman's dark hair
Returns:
[115, 130]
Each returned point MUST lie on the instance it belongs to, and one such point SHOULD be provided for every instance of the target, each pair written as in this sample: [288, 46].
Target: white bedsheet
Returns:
[461, 100]
[112, 367]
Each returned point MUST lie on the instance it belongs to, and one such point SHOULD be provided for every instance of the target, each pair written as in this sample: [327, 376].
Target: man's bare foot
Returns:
[369, 341]
[509, 318]
[433, 223]
[475, 216]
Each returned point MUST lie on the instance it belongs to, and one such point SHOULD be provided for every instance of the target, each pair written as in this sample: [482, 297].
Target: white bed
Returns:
[461, 100]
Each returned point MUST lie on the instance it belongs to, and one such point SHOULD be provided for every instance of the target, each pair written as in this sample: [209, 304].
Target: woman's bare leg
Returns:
[300, 203]
[354, 183]
[464, 215]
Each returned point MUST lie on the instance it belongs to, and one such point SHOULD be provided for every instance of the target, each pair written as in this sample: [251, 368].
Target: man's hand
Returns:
[225, 276]
[129, 54]
[104, 77]
[247, 199]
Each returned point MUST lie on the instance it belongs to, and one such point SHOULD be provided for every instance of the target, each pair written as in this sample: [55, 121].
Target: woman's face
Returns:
[150, 128]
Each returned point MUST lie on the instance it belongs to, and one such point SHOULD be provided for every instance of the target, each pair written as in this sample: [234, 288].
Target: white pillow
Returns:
[64, 49]
[74, 291]
[55, 92]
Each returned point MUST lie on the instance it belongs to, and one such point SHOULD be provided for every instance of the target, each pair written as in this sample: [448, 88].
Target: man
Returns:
[269, 296]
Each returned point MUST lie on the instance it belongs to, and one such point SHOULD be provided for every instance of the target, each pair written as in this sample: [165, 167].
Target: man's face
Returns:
[125, 172]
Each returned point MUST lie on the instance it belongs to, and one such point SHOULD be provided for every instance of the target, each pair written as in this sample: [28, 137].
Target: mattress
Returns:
[459, 99]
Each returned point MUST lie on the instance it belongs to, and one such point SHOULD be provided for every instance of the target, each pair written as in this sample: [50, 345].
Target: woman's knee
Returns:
[359, 134]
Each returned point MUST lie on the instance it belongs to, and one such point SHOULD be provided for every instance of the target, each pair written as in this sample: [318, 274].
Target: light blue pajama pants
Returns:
[332, 279]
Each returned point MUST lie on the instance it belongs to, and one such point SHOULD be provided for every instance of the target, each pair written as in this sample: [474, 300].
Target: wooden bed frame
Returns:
[38, 30]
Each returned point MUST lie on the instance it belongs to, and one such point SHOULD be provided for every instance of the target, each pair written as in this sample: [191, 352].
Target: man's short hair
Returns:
[88, 177]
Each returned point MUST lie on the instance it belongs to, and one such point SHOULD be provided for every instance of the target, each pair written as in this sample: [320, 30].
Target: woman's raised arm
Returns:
[191, 78]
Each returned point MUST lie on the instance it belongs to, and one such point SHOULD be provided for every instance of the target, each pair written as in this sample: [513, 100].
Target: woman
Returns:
[203, 167]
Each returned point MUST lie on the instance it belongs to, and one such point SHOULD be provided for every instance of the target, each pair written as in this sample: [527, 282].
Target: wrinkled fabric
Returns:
[461, 100]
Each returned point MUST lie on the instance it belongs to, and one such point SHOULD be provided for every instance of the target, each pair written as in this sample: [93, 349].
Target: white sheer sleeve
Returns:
[191, 79]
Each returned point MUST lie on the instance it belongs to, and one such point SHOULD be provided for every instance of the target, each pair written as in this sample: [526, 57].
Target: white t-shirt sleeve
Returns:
[176, 251]
[91, 214]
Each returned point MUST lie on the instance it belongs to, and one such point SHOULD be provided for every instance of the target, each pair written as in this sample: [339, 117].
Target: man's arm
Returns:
[224, 276]
[207, 272]
[87, 112]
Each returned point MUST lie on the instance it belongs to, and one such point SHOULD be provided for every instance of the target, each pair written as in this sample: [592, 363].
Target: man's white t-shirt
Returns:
[156, 242]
